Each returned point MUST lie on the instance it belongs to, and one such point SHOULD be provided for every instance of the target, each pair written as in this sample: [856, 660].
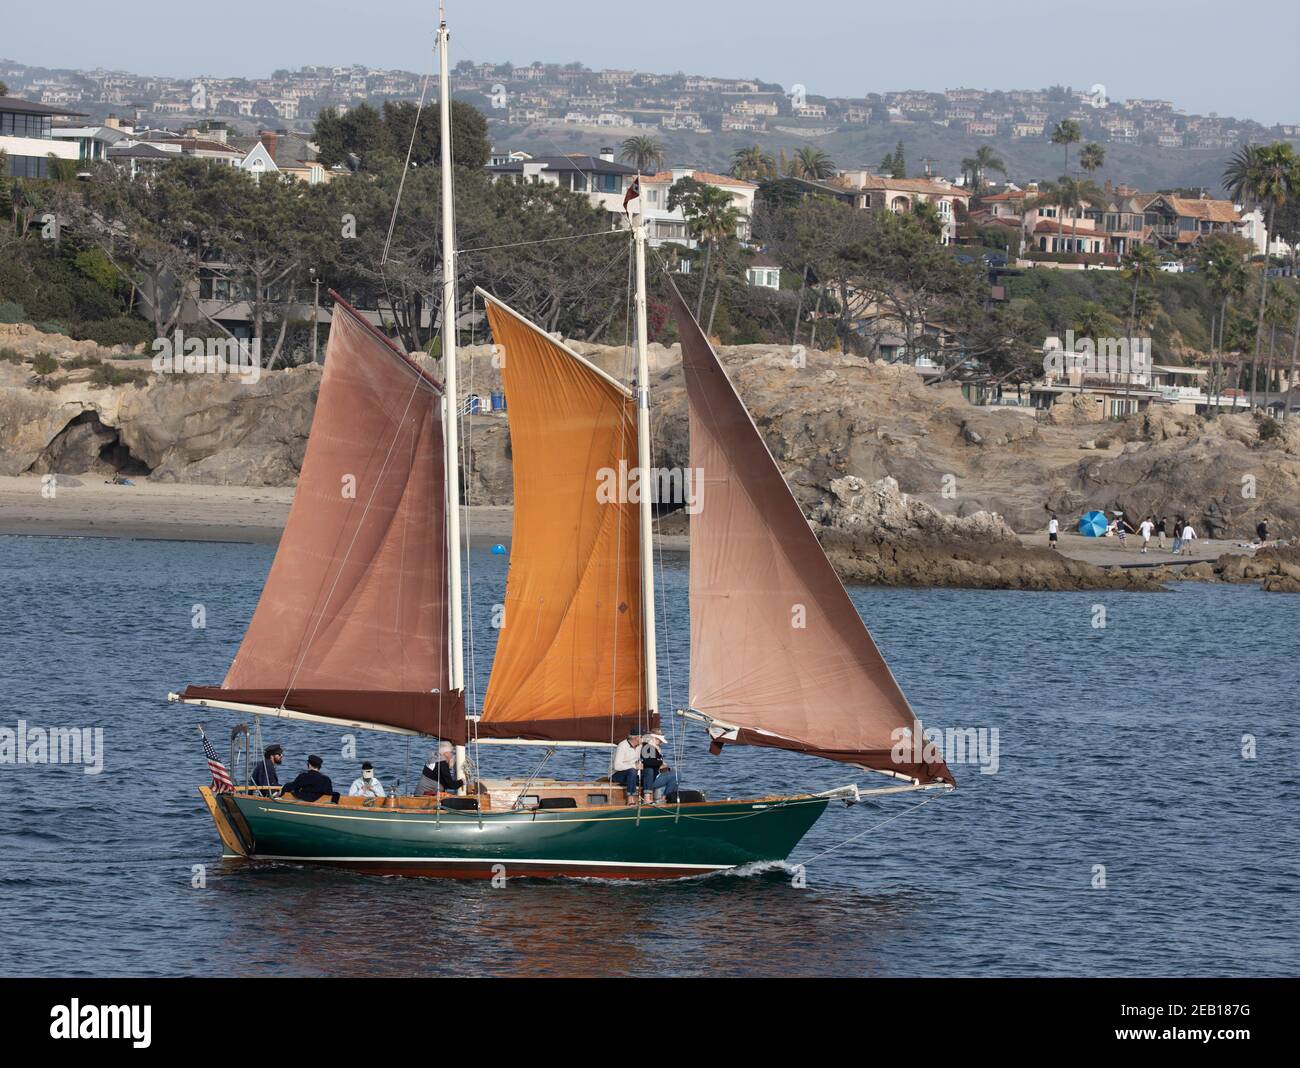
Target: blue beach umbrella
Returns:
[1093, 525]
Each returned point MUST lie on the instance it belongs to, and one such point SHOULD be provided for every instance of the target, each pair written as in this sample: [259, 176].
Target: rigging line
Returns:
[539, 241]
[873, 827]
[410, 148]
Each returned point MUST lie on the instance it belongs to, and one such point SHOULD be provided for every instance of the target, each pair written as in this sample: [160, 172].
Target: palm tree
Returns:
[1068, 196]
[1092, 158]
[1142, 264]
[644, 153]
[813, 163]
[1225, 276]
[1067, 133]
[712, 217]
[752, 163]
[1263, 174]
[1093, 320]
[978, 165]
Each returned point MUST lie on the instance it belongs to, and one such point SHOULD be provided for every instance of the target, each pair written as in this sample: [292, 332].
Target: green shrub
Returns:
[12, 356]
[78, 362]
[120, 330]
[1269, 428]
[108, 375]
[53, 327]
[12, 313]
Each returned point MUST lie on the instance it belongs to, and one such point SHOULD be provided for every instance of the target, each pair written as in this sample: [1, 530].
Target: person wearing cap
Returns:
[264, 773]
[625, 765]
[439, 775]
[310, 785]
[657, 776]
[366, 785]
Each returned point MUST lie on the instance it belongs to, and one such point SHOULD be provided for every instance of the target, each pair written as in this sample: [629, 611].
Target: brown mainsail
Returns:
[352, 624]
[777, 649]
[568, 663]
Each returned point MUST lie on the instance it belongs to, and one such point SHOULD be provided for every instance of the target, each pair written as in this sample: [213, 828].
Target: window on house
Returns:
[606, 183]
[15, 125]
[27, 167]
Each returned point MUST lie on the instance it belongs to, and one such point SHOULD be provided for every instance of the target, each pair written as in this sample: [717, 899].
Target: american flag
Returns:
[221, 783]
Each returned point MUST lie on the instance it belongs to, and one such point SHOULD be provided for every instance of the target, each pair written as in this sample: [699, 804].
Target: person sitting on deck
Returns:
[366, 785]
[439, 775]
[656, 775]
[264, 773]
[625, 765]
[310, 785]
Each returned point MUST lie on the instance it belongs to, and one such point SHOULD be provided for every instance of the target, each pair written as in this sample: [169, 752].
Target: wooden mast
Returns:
[643, 466]
[451, 396]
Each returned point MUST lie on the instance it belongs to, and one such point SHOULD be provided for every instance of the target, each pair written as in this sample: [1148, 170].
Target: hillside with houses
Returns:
[553, 108]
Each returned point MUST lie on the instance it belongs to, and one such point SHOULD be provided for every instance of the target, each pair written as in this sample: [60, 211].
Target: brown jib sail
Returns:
[568, 663]
[778, 652]
[352, 624]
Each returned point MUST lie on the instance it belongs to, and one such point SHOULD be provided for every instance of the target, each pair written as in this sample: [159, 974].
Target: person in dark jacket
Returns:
[439, 775]
[264, 773]
[310, 785]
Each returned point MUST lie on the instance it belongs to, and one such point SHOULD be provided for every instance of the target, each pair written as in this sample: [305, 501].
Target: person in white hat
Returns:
[656, 776]
[439, 775]
[366, 785]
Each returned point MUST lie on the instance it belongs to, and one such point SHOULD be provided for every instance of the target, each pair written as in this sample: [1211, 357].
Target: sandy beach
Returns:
[87, 506]
[1108, 552]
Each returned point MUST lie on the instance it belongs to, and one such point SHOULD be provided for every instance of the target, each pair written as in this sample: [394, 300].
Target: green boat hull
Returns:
[653, 841]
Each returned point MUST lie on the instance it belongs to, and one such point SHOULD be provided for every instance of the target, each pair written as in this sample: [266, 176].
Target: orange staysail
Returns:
[352, 624]
[568, 662]
[779, 655]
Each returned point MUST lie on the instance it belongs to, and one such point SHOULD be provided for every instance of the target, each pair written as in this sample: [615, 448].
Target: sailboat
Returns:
[360, 621]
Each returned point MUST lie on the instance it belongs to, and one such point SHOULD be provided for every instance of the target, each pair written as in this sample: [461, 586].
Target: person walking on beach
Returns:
[1121, 528]
[1160, 532]
[1178, 534]
[1053, 529]
[1261, 532]
[1189, 536]
[1145, 528]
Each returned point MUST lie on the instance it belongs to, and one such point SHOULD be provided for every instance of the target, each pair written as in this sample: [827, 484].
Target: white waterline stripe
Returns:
[498, 860]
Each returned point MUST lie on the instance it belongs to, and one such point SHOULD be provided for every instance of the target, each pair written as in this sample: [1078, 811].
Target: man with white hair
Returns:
[625, 765]
[439, 775]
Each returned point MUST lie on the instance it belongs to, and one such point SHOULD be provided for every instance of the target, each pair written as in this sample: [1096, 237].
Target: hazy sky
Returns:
[1205, 57]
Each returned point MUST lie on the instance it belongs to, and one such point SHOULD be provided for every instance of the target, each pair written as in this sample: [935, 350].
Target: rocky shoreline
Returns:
[905, 484]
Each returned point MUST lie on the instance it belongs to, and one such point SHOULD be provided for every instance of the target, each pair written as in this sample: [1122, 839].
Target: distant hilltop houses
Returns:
[576, 96]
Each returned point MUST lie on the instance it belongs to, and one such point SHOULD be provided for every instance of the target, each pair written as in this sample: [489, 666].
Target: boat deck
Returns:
[494, 795]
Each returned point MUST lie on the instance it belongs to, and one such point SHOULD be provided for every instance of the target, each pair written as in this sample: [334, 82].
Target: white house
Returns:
[663, 225]
[27, 137]
[604, 181]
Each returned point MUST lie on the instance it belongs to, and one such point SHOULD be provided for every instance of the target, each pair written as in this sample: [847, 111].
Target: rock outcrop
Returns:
[214, 429]
[837, 425]
[878, 535]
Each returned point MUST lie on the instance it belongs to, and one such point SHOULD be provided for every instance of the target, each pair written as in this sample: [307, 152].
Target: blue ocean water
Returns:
[1120, 758]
